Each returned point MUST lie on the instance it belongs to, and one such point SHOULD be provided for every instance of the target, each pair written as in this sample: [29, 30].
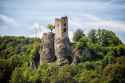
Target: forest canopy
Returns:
[100, 59]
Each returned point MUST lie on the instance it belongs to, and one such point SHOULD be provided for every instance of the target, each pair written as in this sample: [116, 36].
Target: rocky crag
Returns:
[48, 51]
[56, 45]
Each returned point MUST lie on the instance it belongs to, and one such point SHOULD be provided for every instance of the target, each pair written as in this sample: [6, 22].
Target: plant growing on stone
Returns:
[51, 27]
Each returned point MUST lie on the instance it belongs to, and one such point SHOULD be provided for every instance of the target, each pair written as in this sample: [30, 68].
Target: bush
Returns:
[115, 73]
[87, 76]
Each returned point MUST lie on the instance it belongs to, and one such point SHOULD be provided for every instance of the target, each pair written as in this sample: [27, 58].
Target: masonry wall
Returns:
[56, 46]
[62, 45]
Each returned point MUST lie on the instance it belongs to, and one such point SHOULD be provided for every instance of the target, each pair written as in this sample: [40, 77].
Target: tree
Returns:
[78, 34]
[114, 73]
[92, 36]
[50, 27]
[82, 42]
[107, 38]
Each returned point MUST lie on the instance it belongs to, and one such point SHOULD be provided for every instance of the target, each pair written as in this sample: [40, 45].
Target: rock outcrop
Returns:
[57, 45]
[47, 50]
[76, 56]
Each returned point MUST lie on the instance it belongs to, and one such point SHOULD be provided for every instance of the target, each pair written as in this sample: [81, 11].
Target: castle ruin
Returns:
[57, 44]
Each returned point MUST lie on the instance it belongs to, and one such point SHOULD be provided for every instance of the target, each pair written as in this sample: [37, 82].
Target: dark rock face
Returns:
[36, 58]
[48, 51]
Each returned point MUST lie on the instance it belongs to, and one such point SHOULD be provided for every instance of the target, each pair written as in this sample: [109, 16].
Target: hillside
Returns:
[14, 52]
[98, 59]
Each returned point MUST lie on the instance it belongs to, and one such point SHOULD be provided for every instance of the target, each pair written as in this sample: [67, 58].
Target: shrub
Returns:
[114, 73]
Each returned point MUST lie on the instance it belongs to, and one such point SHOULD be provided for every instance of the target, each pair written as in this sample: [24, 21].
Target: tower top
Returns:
[61, 19]
[61, 26]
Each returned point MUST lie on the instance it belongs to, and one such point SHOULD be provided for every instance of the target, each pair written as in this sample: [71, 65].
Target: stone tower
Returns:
[48, 51]
[62, 45]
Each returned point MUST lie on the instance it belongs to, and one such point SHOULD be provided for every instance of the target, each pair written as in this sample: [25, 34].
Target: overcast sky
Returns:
[19, 17]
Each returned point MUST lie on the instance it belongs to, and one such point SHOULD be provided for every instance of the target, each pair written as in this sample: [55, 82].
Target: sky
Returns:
[25, 17]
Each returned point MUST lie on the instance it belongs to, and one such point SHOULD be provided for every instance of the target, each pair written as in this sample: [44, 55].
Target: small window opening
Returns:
[64, 29]
[64, 24]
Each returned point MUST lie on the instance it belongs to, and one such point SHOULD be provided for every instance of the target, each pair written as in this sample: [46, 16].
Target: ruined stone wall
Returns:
[62, 44]
[61, 27]
[57, 46]
[47, 50]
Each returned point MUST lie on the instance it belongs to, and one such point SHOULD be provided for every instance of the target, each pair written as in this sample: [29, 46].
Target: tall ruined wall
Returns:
[62, 44]
[61, 27]
[57, 45]
[47, 50]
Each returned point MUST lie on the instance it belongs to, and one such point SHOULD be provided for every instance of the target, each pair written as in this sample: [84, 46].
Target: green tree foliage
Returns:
[104, 37]
[115, 73]
[14, 52]
[50, 27]
[107, 38]
[118, 50]
[77, 35]
[101, 56]
[92, 36]
[81, 43]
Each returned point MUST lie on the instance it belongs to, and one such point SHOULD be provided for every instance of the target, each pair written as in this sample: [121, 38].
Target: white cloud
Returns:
[82, 22]
[38, 29]
[7, 20]
[85, 22]
[8, 25]
[88, 22]
[115, 26]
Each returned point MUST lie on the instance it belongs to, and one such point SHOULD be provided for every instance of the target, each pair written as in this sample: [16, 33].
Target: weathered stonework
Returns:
[57, 45]
[48, 51]
[62, 44]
